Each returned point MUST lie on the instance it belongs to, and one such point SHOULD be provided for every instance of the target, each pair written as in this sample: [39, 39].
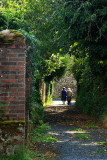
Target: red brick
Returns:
[8, 81]
[21, 107]
[3, 53]
[21, 63]
[17, 102]
[20, 76]
[4, 94]
[11, 46]
[21, 72]
[16, 50]
[17, 68]
[12, 115]
[17, 59]
[21, 115]
[12, 111]
[9, 72]
[8, 98]
[16, 76]
[21, 98]
[12, 107]
[8, 37]
[9, 90]
[3, 67]
[12, 76]
[21, 55]
[13, 85]
[4, 86]
[8, 63]
[13, 94]
[21, 80]
[16, 111]
[21, 111]
[21, 118]
[4, 76]
[21, 93]
[3, 59]
[3, 56]
[21, 90]
[13, 81]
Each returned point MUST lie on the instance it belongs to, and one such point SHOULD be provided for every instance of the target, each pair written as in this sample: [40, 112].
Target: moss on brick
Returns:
[7, 37]
[17, 33]
[11, 127]
[10, 122]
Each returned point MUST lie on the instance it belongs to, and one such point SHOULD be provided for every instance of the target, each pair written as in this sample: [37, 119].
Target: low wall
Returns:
[11, 137]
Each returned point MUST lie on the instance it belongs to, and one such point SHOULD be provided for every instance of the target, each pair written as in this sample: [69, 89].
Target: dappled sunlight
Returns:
[67, 137]
[59, 103]
[63, 141]
[76, 133]
[90, 144]
[54, 133]
[73, 132]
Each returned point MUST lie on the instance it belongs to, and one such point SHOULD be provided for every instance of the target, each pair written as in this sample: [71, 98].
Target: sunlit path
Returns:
[57, 102]
[66, 123]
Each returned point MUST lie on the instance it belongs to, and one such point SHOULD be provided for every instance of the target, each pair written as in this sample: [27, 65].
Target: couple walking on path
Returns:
[66, 95]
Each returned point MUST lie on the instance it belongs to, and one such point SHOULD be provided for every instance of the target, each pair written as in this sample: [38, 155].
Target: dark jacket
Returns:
[63, 95]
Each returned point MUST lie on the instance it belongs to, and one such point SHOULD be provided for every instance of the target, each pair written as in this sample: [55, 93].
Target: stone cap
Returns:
[12, 39]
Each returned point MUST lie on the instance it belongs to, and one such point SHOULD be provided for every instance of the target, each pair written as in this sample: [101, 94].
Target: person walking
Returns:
[69, 95]
[63, 95]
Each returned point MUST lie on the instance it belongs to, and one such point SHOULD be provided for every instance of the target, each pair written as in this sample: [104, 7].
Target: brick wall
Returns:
[12, 75]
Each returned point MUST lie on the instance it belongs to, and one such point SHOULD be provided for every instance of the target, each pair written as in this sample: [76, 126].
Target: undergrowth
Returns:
[25, 154]
[90, 126]
[39, 134]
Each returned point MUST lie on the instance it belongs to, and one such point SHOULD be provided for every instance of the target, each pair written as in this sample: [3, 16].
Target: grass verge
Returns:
[39, 134]
[82, 136]
[90, 126]
[25, 154]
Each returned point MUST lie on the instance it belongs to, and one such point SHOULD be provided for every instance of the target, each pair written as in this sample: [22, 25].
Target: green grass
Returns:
[90, 126]
[25, 154]
[77, 129]
[82, 136]
[102, 143]
[33, 155]
[100, 151]
[39, 134]
[17, 156]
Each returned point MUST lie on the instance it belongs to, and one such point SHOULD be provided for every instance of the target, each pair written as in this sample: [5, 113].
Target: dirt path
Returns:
[66, 124]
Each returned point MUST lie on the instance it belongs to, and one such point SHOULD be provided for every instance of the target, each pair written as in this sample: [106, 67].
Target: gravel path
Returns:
[66, 122]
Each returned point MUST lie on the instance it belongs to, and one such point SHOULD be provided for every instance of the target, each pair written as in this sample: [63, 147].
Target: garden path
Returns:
[79, 136]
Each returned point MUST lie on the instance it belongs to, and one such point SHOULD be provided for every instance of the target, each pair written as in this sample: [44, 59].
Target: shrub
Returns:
[37, 113]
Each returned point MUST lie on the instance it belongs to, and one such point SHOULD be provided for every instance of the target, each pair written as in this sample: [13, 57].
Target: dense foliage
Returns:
[64, 26]
[87, 28]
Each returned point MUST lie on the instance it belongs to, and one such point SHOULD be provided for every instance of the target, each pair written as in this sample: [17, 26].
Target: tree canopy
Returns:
[59, 27]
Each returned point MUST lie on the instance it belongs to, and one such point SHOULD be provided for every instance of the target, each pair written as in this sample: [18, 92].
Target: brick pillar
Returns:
[12, 75]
